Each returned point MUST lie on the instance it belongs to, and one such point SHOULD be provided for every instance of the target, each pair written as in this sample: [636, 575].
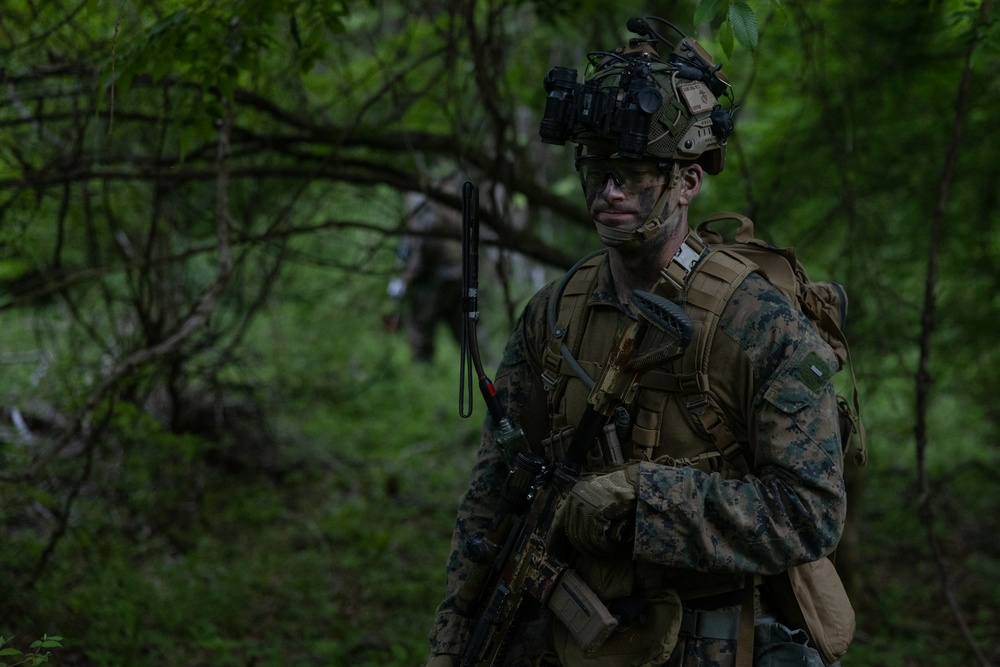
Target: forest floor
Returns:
[341, 564]
[333, 552]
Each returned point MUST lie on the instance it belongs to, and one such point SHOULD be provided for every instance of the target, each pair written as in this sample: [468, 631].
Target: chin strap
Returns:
[626, 240]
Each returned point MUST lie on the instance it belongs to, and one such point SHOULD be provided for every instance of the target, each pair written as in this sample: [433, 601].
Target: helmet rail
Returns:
[633, 103]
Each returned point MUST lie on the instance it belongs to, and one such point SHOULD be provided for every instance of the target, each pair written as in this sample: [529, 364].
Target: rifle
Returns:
[520, 561]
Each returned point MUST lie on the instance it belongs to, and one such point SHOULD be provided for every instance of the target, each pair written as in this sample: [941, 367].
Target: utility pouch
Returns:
[645, 641]
[580, 612]
[812, 596]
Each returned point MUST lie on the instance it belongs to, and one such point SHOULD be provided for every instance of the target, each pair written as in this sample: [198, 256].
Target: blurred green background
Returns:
[218, 448]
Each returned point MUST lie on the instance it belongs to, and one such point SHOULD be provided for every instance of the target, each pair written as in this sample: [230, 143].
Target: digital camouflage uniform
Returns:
[693, 523]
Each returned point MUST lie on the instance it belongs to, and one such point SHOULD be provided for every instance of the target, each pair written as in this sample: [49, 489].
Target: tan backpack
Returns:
[823, 302]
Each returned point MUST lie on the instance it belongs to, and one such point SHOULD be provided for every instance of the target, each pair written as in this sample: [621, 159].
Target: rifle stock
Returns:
[519, 560]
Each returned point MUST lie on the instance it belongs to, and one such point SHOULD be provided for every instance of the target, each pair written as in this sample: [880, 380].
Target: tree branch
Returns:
[923, 376]
[82, 426]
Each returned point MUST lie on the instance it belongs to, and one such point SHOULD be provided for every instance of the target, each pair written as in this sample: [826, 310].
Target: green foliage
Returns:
[707, 10]
[744, 25]
[907, 598]
[243, 33]
[320, 557]
[739, 23]
[247, 38]
[278, 488]
[34, 656]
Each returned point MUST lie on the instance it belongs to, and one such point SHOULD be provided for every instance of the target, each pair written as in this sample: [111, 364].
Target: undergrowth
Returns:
[330, 550]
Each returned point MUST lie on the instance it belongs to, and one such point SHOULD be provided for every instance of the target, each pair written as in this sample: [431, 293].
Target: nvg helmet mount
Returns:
[635, 104]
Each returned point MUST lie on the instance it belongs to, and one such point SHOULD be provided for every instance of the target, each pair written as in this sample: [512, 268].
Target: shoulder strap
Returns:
[565, 310]
[824, 303]
[702, 279]
[707, 288]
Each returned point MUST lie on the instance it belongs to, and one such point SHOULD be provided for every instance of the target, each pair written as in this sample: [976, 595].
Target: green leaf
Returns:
[706, 11]
[744, 24]
[726, 39]
[10, 651]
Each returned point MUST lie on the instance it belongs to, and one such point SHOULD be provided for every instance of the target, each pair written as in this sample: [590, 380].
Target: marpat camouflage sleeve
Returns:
[793, 510]
[515, 382]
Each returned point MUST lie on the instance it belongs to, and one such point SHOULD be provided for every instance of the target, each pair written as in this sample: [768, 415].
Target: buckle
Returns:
[686, 257]
[677, 270]
[548, 380]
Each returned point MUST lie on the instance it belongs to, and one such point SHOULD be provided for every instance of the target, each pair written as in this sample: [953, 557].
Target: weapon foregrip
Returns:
[485, 627]
[665, 315]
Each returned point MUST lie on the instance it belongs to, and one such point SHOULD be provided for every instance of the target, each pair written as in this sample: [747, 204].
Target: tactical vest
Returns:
[686, 398]
[702, 278]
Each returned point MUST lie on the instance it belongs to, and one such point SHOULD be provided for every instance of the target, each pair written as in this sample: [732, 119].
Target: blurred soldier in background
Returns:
[428, 288]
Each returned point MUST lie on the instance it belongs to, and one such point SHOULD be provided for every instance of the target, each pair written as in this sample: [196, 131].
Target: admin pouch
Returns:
[812, 596]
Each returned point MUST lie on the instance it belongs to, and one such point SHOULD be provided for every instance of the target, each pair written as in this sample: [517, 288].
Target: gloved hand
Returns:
[598, 515]
[442, 660]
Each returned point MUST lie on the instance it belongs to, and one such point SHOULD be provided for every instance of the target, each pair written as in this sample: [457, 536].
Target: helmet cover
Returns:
[635, 104]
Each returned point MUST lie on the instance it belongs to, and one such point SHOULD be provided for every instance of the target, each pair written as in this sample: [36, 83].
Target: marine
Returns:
[732, 460]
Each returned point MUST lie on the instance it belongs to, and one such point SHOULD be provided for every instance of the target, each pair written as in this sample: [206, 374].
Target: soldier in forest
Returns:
[732, 475]
[428, 288]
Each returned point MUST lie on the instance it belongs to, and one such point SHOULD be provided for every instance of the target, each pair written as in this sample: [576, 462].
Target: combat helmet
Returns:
[635, 103]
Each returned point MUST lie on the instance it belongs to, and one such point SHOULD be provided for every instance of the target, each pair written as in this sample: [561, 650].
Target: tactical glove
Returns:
[598, 515]
[442, 660]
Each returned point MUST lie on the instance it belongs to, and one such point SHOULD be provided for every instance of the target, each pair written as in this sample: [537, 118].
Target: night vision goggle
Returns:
[623, 110]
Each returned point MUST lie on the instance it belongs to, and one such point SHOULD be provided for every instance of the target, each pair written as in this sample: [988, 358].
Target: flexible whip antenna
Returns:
[470, 356]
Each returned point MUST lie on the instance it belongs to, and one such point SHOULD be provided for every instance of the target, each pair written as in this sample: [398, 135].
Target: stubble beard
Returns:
[647, 253]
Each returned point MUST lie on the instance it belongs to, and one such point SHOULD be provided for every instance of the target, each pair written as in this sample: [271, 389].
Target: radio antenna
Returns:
[470, 356]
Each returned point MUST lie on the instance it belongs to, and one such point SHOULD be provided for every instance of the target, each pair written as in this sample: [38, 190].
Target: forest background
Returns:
[213, 451]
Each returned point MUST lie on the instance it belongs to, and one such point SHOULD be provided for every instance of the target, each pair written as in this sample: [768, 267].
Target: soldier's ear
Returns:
[690, 182]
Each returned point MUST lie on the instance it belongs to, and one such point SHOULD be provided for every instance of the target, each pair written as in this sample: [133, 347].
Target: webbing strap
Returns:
[701, 624]
[726, 625]
[705, 292]
[860, 454]
[744, 640]
[702, 278]
[566, 306]
[567, 302]
[674, 275]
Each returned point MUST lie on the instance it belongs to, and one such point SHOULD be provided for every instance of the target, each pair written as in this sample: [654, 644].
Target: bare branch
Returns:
[82, 428]
[923, 376]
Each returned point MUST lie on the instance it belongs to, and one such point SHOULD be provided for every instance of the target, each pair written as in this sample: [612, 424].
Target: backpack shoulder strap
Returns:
[565, 312]
[704, 289]
[823, 302]
[699, 277]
